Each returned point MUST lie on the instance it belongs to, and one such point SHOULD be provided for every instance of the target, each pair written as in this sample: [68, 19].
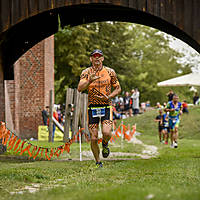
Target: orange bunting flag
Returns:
[20, 148]
[111, 139]
[56, 152]
[62, 150]
[46, 156]
[10, 142]
[117, 134]
[41, 153]
[67, 147]
[2, 129]
[34, 149]
[13, 142]
[38, 151]
[17, 144]
[6, 138]
[26, 149]
[99, 140]
[51, 154]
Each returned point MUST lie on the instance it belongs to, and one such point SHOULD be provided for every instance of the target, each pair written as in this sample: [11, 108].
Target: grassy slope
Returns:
[174, 174]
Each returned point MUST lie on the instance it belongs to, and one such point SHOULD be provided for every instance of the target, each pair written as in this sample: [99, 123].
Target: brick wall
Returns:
[34, 77]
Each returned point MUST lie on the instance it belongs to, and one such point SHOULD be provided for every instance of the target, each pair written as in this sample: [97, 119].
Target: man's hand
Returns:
[102, 97]
[93, 77]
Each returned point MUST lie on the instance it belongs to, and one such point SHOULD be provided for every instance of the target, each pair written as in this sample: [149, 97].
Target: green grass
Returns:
[173, 174]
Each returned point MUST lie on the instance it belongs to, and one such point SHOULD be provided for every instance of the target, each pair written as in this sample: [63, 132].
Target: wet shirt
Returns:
[174, 114]
[103, 85]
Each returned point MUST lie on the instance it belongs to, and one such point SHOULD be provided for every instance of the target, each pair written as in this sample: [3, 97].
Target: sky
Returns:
[191, 56]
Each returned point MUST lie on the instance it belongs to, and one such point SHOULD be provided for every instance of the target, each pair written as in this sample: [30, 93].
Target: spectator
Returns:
[170, 95]
[135, 96]
[45, 115]
[148, 104]
[158, 105]
[143, 106]
[195, 98]
[121, 103]
[130, 107]
[59, 115]
[185, 107]
[126, 103]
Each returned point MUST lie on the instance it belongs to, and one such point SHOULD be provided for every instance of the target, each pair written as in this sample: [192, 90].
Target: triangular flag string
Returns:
[21, 146]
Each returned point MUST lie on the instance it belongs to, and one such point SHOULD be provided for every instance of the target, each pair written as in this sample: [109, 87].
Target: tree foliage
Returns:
[140, 55]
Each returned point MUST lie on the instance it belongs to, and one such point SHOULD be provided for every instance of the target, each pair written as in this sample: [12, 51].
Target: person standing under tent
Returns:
[170, 95]
[195, 98]
[174, 108]
[99, 80]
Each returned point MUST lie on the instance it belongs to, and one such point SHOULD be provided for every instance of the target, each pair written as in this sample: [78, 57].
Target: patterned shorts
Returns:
[107, 117]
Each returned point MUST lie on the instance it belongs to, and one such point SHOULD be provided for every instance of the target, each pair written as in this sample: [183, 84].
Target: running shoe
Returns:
[99, 164]
[172, 146]
[175, 145]
[166, 142]
[105, 150]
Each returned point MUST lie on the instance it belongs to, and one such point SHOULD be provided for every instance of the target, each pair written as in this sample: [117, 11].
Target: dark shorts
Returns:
[160, 128]
[107, 118]
[126, 107]
[166, 129]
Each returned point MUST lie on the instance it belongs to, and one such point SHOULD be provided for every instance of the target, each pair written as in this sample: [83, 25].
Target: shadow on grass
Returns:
[17, 159]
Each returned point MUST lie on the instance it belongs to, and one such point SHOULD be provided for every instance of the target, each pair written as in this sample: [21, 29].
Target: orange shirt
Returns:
[103, 85]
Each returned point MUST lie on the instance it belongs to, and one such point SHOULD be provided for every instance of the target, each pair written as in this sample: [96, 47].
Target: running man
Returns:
[99, 81]
[174, 108]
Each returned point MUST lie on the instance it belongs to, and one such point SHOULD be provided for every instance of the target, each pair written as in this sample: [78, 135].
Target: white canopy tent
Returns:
[192, 79]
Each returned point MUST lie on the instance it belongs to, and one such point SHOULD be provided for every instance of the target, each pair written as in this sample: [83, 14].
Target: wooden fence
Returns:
[75, 113]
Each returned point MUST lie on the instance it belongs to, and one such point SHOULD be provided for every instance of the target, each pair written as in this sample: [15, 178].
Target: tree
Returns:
[140, 55]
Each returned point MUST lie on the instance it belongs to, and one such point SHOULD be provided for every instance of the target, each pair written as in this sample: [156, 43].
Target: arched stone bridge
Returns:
[23, 23]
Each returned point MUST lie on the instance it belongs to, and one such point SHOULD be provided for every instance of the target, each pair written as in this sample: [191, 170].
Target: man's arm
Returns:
[115, 92]
[83, 84]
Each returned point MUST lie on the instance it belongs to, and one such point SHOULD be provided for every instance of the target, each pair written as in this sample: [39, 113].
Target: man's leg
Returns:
[107, 133]
[160, 133]
[176, 134]
[166, 136]
[176, 137]
[93, 128]
[172, 137]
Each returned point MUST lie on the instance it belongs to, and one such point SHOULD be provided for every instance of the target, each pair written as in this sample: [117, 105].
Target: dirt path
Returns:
[148, 152]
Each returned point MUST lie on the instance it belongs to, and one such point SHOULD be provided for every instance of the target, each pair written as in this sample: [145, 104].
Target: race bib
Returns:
[174, 120]
[98, 112]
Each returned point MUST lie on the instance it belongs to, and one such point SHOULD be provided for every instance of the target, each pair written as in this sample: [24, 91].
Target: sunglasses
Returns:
[97, 55]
